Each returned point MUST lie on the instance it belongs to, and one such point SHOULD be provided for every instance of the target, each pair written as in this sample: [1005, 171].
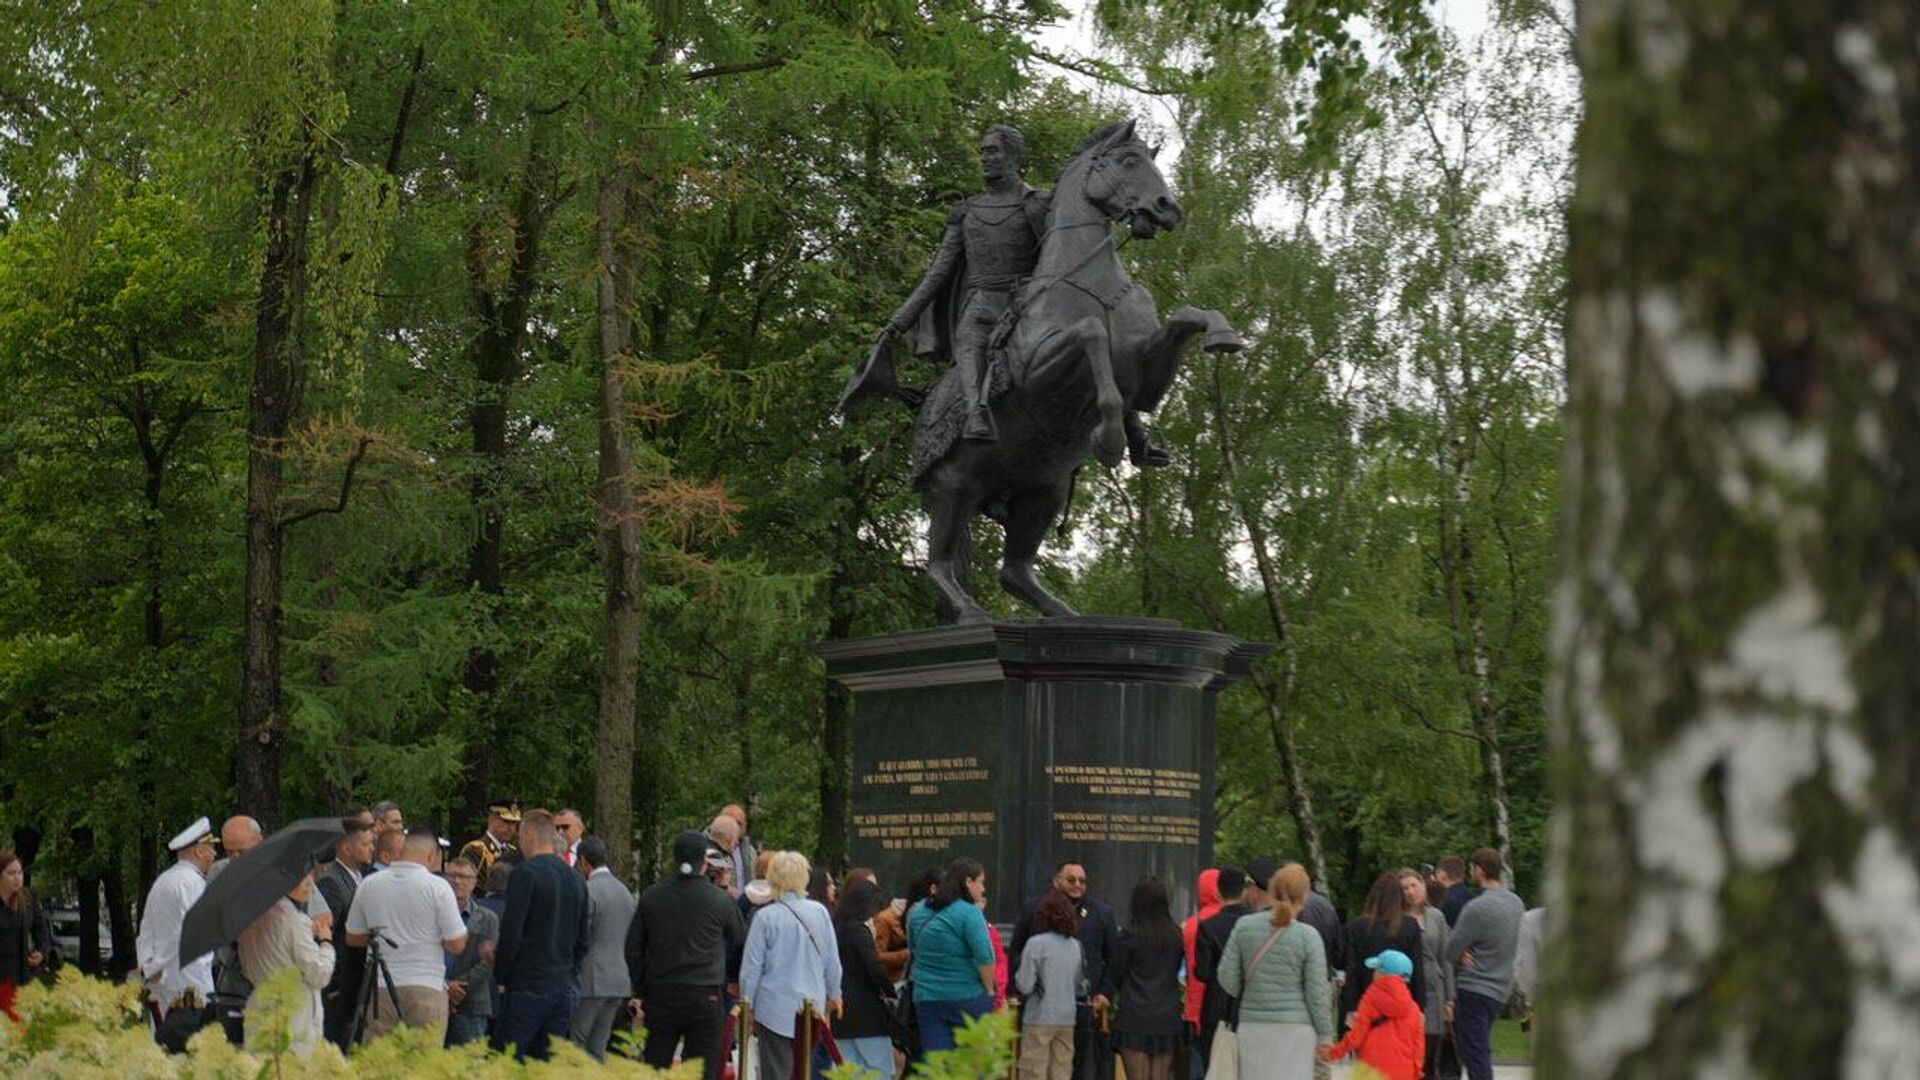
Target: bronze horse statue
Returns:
[1085, 350]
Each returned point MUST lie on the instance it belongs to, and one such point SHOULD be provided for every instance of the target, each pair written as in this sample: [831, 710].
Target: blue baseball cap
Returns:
[1391, 962]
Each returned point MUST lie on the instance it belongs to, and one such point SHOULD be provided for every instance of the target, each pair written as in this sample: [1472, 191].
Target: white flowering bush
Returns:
[88, 1029]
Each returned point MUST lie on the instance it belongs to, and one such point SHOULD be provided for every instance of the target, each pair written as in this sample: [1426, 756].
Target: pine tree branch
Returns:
[346, 488]
[719, 70]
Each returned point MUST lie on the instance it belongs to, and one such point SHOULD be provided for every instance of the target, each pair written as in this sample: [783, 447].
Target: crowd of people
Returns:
[525, 937]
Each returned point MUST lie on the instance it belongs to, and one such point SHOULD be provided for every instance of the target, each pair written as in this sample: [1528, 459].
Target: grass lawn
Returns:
[1511, 1046]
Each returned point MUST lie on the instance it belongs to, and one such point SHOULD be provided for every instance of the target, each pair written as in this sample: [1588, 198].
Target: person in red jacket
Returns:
[1388, 1029]
[1209, 903]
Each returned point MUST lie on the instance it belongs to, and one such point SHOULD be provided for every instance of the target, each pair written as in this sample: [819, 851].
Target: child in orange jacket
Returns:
[1388, 1030]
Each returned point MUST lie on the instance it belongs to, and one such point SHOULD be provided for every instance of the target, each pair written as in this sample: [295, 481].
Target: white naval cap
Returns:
[200, 832]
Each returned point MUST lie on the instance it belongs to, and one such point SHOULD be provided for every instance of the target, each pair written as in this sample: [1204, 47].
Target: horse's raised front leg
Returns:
[950, 515]
[1160, 356]
[1029, 515]
[1088, 338]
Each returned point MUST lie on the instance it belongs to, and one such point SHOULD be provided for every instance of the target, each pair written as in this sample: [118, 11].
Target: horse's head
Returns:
[1123, 181]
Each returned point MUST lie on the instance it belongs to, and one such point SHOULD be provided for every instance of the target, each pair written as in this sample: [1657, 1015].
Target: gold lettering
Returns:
[1116, 781]
[1081, 825]
[922, 832]
[923, 776]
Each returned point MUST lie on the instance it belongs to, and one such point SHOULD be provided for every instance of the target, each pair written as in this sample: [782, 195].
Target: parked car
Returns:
[66, 935]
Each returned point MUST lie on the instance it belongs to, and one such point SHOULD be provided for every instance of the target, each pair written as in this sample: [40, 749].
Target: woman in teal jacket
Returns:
[1276, 967]
[953, 962]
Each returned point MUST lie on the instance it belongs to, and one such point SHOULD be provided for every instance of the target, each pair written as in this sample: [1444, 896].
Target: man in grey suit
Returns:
[604, 985]
[470, 975]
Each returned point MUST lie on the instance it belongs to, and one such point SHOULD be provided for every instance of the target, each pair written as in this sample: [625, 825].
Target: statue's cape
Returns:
[933, 332]
[943, 416]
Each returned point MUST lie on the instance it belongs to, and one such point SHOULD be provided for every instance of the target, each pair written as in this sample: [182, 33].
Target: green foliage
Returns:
[792, 166]
[1363, 385]
[84, 1027]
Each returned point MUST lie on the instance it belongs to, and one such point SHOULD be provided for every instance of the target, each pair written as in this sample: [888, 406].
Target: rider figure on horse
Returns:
[991, 245]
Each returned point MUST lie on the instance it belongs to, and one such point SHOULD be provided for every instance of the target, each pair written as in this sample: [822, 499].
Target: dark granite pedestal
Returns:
[1023, 744]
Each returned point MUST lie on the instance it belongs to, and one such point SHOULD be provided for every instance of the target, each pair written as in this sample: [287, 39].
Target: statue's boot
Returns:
[1223, 339]
[980, 426]
[1140, 448]
[876, 378]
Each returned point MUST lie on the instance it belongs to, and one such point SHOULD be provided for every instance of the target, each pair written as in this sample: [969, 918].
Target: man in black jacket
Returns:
[543, 941]
[686, 935]
[1099, 938]
[1209, 943]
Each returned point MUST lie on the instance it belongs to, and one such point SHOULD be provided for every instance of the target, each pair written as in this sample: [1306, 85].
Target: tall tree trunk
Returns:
[274, 399]
[617, 528]
[146, 861]
[1736, 857]
[836, 734]
[153, 612]
[113, 881]
[497, 352]
[836, 763]
[1276, 690]
[86, 879]
[1472, 651]
[1463, 405]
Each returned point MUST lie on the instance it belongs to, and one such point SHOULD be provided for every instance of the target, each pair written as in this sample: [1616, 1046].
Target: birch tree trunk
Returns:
[1464, 405]
[1276, 691]
[1736, 858]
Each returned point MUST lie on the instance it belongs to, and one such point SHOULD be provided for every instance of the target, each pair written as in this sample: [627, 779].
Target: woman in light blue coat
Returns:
[791, 961]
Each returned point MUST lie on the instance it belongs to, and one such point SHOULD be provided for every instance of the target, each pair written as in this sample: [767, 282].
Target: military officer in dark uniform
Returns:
[496, 844]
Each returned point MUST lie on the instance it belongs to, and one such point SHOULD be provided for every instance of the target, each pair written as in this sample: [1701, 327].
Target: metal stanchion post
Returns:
[743, 1040]
[805, 1058]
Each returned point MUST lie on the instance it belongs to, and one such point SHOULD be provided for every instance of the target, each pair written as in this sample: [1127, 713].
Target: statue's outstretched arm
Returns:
[945, 261]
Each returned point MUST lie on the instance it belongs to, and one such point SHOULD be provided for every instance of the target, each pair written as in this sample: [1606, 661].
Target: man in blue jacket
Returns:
[543, 941]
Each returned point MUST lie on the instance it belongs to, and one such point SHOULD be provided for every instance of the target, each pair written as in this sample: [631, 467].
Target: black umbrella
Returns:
[252, 883]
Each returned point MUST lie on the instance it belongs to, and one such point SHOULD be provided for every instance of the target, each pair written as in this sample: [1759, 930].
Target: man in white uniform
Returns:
[171, 984]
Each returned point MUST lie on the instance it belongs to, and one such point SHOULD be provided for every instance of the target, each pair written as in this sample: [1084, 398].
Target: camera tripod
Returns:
[371, 977]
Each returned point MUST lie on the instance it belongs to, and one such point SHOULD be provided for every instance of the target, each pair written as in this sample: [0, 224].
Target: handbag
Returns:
[906, 1017]
[1223, 1063]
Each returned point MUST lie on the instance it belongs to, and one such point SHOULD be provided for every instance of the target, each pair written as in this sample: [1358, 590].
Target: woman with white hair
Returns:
[285, 936]
[791, 961]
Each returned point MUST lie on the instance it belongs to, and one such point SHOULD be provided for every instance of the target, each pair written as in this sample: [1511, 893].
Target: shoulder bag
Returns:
[1224, 1061]
[906, 1016]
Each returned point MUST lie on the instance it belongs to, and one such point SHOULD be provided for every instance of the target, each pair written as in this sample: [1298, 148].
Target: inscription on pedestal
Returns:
[1078, 780]
[1074, 826]
[1022, 744]
[921, 832]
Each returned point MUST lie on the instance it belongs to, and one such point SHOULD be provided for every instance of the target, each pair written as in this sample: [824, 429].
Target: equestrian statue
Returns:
[1055, 352]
